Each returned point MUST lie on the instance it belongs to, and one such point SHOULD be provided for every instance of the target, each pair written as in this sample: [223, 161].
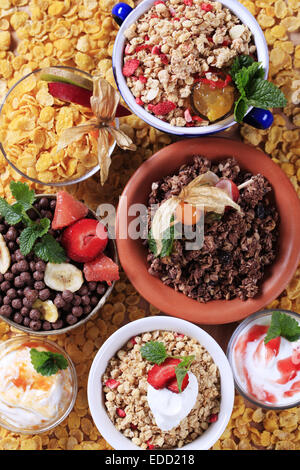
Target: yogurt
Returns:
[270, 373]
[170, 408]
[27, 398]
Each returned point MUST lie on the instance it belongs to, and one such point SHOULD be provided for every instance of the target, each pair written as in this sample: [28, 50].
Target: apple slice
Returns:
[54, 74]
[71, 93]
[122, 111]
[78, 95]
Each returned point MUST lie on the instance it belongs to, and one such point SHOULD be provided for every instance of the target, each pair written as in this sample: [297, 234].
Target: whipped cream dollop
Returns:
[28, 398]
[269, 372]
[170, 408]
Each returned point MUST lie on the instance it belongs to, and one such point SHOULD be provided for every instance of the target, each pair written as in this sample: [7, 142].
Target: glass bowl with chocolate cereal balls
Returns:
[44, 289]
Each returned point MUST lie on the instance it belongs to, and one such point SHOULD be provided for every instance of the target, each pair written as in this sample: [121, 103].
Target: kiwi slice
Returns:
[54, 74]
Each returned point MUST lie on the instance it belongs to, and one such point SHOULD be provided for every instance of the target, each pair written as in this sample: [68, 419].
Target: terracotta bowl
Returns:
[132, 253]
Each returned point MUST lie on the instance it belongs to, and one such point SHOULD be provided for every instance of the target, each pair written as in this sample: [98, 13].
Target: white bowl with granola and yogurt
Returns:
[160, 383]
[166, 50]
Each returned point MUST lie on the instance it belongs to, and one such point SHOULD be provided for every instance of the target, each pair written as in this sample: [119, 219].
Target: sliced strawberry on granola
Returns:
[130, 67]
[112, 383]
[162, 108]
[161, 374]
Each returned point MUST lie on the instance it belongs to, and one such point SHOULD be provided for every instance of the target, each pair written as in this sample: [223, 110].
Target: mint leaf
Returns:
[182, 369]
[244, 77]
[46, 362]
[254, 90]
[48, 249]
[154, 352]
[152, 243]
[22, 193]
[167, 240]
[241, 80]
[12, 214]
[240, 62]
[264, 94]
[283, 325]
[211, 217]
[30, 234]
[240, 109]
[180, 374]
[290, 328]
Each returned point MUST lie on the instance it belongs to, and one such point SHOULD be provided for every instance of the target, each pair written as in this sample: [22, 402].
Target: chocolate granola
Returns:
[236, 249]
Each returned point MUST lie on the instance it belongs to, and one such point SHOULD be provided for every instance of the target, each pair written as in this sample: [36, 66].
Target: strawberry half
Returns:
[82, 240]
[173, 385]
[160, 375]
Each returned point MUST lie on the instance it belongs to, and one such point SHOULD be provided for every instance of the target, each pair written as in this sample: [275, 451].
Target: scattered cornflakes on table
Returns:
[81, 33]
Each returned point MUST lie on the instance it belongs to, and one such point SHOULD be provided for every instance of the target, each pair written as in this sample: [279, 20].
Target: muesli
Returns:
[240, 230]
[192, 63]
[162, 390]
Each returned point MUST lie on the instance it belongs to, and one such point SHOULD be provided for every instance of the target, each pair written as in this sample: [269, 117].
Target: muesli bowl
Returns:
[125, 17]
[57, 172]
[111, 252]
[266, 375]
[138, 328]
[133, 251]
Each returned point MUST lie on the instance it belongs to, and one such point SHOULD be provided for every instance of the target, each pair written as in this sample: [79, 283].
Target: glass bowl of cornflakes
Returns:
[31, 122]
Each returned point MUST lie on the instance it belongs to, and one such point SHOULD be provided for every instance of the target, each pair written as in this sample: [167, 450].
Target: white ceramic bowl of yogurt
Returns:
[118, 339]
[267, 375]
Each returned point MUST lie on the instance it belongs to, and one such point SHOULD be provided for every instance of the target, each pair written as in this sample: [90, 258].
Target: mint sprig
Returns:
[182, 369]
[248, 76]
[31, 233]
[167, 240]
[155, 352]
[283, 325]
[48, 249]
[22, 193]
[34, 236]
[46, 362]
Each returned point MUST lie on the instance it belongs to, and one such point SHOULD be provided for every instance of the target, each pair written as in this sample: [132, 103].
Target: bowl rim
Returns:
[133, 259]
[27, 431]
[34, 180]
[101, 303]
[229, 353]
[118, 339]
[117, 60]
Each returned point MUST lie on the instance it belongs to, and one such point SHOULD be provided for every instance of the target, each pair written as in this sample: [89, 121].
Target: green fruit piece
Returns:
[54, 74]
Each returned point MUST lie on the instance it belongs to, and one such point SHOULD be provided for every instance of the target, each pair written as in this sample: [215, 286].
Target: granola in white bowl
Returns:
[192, 394]
[174, 45]
[127, 382]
